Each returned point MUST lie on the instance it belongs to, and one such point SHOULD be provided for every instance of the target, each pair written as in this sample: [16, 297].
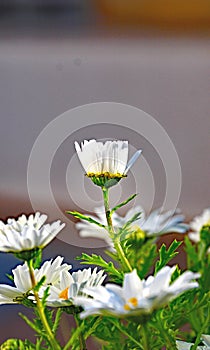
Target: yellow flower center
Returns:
[64, 294]
[107, 175]
[133, 302]
[127, 307]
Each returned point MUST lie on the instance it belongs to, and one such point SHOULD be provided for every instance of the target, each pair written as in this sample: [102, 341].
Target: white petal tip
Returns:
[133, 160]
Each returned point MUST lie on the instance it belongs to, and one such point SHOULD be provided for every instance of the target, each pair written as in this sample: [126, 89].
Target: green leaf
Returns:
[97, 260]
[166, 255]
[86, 218]
[45, 295]
[57, 320]
[37, 259]
[31, 324]
[40, 283]
[123, 203]
[11, 278]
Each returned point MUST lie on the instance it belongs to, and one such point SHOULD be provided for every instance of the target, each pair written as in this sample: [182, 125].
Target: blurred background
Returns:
[57, 55]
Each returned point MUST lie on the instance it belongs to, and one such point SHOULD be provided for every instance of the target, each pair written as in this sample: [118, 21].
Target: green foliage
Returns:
[164, 330]
[107, 331]
[80, 216]
[28, 255]
[71, 309]
[40, 283]
[192, 255]
[57, 318]
[205, 235]
[37, 326]
[113, 334]
[140, 251]
[123, 203]
[37, 259]
[198, 259]
[79, 334]
[45, 295]
[126, 228]
[17, 344]
[166, 255]
[114, 274]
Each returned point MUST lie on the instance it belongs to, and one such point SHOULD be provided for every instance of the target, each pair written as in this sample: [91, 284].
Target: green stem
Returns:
[81, 338]
[53, 342]
[107, 210]
[73, 338]
[125, 263]
[145, 337]
[79, 330]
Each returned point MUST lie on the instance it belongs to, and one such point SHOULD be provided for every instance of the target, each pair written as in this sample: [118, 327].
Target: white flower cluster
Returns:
[136, 296]
[105, 163]
[72, 285]
[84, 288]
[22, 282]
[27, 233]
[63, 285]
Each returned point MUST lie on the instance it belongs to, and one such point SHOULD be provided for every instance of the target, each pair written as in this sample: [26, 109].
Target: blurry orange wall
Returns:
[159, 12]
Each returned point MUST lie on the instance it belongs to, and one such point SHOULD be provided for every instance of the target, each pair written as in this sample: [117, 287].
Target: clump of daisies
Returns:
[135, 296]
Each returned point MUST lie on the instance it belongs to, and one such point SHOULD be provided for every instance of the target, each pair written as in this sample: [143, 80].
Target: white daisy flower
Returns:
[155, 224]
[22, 282]
[107, 160]
[136, 296]
[71, 285]
[26, 234]
[182, 345]
[197, 224]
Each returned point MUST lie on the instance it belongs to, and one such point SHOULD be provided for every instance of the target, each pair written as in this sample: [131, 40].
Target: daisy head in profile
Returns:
[71, 285]
[26, 235]
[105, 163]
